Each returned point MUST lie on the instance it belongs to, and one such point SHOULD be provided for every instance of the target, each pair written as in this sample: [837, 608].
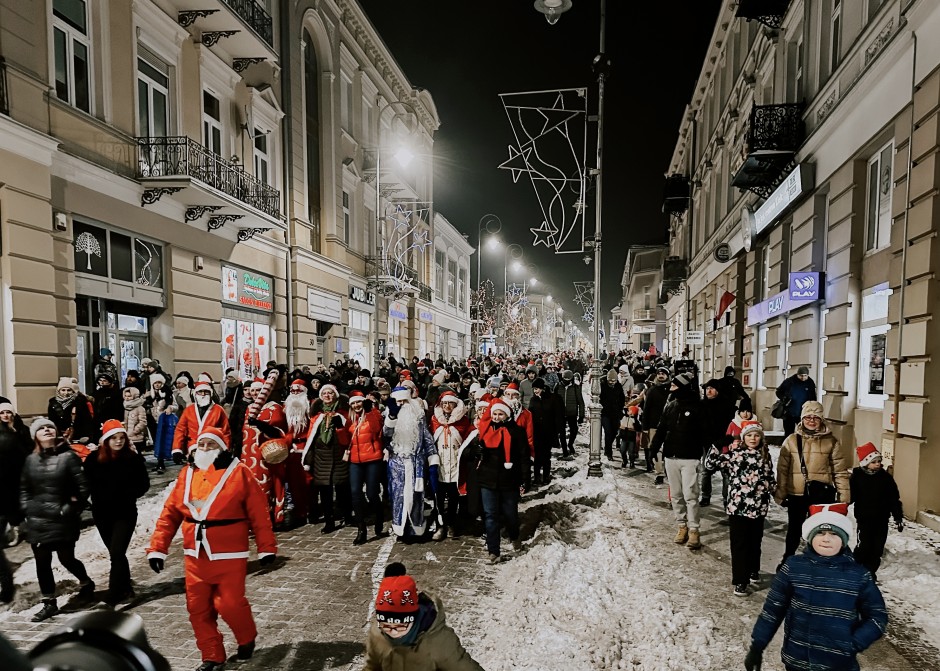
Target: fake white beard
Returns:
[297, 411]
[204, 458]
[405, 438]
[202, 401]
[515, 404]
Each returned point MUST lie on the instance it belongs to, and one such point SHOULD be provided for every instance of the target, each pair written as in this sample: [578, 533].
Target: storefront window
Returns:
[106, 253]
[246, 346]
[872, 345]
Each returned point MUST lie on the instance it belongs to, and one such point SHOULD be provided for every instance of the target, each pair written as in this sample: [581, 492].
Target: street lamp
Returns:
[493, 225]
[552, 9]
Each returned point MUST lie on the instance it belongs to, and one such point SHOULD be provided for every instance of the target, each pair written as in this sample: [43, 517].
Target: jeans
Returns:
[707, 484]
[369, 474]
[746, 536]
[610, 427]
[797, 510]
[116, 535]
[496, 503]
[683, 485]
[66, 553]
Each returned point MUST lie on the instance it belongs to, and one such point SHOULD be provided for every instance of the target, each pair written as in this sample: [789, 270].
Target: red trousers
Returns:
[215, 588]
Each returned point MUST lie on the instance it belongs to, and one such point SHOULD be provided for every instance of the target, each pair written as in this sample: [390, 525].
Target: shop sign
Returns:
[324, 306]
[361, 295]
[805, 286]
[723, 253]
[643, 328]
[794, 185]
[425, 316]
[398, 311]
[695, 338]
[248, 289]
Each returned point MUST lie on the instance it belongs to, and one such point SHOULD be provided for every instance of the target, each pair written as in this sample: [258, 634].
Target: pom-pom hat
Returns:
[110, 428]
[751, 427]
[829, 517]
[867, 453]
[397, 599]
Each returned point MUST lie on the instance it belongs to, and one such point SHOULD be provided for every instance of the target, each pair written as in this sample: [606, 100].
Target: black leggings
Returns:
[116, 535]
[66, 553]
[797, 510]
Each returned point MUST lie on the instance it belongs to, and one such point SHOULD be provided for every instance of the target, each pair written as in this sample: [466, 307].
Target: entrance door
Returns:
[131, 350]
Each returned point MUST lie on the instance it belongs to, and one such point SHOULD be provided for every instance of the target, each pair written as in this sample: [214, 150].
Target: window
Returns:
[345, 100]
[211, 123]
[452, 282]
[872, 347]
[835, 36]
[461, 288]
[153, 86]
[878, 215]
[312, 137]
[795, 70]
[761, 357]
[106, 253]
[873, 7]
[71, 53]
[359, 321]
[647, 297]
[764, 256]
[262, 159]
[439, 274]
[346, 227]
[367, 120]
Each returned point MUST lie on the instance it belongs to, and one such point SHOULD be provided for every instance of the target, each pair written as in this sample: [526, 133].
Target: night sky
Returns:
[467, 53]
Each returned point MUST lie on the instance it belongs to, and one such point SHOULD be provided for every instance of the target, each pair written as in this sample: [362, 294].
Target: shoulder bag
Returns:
[816, 492]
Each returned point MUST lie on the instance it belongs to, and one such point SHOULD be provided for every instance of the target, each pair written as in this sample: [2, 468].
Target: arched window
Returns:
[312, 118]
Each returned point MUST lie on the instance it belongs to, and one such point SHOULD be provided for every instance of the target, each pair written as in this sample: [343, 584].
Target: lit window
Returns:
[262, 160]
[872, 347]
[211, 123]
[72, 49]
[880, 183]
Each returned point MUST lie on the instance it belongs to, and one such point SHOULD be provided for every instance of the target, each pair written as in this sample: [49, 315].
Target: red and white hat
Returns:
[497, 404]
[111, 427]
[828, 517]
[356, 396]
[326, 387]
[449, 397]
[512, 389]
[397, 600]
[203, 385]
[257, 383]
[867, 453]
[215, 434]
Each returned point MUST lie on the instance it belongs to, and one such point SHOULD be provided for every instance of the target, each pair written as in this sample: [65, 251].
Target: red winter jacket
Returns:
[365, 437]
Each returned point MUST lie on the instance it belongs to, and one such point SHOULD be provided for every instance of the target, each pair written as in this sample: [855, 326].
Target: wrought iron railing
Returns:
[393, 278]
[768, 12]
[4, 102]
[255, 16]
[776, 128]
[644, 315]
[172, 156]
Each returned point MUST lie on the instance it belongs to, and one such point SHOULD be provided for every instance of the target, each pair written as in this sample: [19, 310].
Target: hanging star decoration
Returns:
[421, 239]
[544, 235]
[517, 163]
[406, 237]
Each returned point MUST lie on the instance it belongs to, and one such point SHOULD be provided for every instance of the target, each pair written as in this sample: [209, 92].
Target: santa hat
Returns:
[111, 427]
[356, 396]
[256, 384]
[829, 517]
[397, 599]
[401, 393]
[405, 374]
[215, 434]
[449, 397]
[299, 383]
[512, 387]
[867, 453]
[327, 387]
[497, 404]
[204, 377]
[203, 385]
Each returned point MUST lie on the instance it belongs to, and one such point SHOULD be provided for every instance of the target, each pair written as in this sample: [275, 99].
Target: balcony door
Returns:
[153, 112]
[212, 123]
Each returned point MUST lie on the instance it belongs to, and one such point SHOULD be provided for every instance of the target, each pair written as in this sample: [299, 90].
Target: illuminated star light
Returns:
[544, 235]
[516, 157]
[421, 239]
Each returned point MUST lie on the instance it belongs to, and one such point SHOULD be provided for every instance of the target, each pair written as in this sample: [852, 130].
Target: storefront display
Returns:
[247, 335]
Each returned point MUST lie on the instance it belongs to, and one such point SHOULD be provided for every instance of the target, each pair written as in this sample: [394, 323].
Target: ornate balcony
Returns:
[394, 279]
[243, 27]
[668, 289]
[644, 315]
[675, 269]
[768, 12]
[167, 165]
[255, 16]
[676, 195]
[774, 134]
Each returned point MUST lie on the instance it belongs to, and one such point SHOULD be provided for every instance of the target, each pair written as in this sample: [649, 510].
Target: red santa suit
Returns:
[271, 423]
[217, 508]
[298, 480]
[195, 420]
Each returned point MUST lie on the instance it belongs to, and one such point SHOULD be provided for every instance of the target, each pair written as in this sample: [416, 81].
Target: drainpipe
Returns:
[904, 245]
[286, 151]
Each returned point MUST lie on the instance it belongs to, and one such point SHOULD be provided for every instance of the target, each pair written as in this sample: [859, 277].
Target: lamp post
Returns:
[492, 224]
[552, 9]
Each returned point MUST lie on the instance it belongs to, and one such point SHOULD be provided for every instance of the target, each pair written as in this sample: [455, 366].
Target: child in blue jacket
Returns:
[832, 607]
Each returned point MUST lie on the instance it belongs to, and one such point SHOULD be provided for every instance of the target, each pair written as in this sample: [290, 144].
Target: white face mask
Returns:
[202, 400]
[205, 458]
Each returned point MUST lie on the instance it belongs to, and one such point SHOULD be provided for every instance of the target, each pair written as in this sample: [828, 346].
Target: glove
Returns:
[337, 422]
[251, 421]
[156, 564]
[785, 502]
[267, 560]
[899, 524]
[393, 408]
[752, 660]
[432, 474]
[178, 458]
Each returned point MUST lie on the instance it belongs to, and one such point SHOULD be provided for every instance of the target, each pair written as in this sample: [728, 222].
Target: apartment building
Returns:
[802, 195]
[449, 320]
[639, 321]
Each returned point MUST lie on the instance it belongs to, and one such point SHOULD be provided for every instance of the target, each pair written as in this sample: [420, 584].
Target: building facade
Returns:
[803, 196]
[450, 319]
[639, 321]
[202, 187]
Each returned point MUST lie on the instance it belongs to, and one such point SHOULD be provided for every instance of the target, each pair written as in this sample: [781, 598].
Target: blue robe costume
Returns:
[406, 478]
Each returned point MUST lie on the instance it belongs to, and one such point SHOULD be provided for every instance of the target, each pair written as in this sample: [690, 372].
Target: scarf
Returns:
[64, 402]
[496, 435]
[325, 435]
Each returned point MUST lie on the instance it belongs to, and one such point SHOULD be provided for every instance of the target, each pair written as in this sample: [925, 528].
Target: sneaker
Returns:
[682, 535]
[705, 502]
[49, 609]
[440, 534]
[754, 578]
[695, 541]
[493, 559]
[660, 480]
[740, 590]
[517, 545]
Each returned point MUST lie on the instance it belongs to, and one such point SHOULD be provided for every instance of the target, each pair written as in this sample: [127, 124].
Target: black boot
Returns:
[7, 590]
[329, 527]
[245, 651]
[49, 609]
[360, 534]
[86, 589]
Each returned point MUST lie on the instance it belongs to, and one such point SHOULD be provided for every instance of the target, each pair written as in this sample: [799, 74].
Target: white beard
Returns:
[515, 404]
[407, 429]
[203, 401]
[297, 411]
[204, 458]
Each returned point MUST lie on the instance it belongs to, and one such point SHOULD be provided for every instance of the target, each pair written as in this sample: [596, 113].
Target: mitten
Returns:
[433, 474]
[267, 560]
[393, 408]
[178, 458]
[337, 421]
[752, 660]
[156, 564]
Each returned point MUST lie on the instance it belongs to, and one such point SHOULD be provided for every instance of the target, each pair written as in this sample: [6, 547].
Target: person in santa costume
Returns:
[523, 417]
[299, 481]
[236, 416]
[217, 501]
[411, 448]
[452, 431]
[196, 418]
[366, 462]
[326, 454]
[269, 424]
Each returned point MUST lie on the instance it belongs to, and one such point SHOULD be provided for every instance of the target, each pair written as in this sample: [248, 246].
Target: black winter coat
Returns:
[115, 486]
[875, 495]
[108, 405]
[84, 425]
[491, 471]
[682, 429]
[572, 400]
[718, 415]
[14, 446]
[656, 397]
[51, 479]
[612, 400]
[548, 418]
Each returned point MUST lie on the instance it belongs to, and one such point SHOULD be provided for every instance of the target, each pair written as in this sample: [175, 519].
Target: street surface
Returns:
[599, 585]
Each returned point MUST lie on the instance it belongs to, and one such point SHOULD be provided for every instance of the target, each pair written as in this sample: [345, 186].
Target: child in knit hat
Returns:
[876, 498]
[831, 605]
[409, 630]
[750, 473]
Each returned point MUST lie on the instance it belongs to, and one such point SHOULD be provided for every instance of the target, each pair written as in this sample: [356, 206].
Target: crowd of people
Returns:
[434, 449]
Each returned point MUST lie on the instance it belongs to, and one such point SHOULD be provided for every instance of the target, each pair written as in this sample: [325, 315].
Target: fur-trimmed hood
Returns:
[459, 412]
